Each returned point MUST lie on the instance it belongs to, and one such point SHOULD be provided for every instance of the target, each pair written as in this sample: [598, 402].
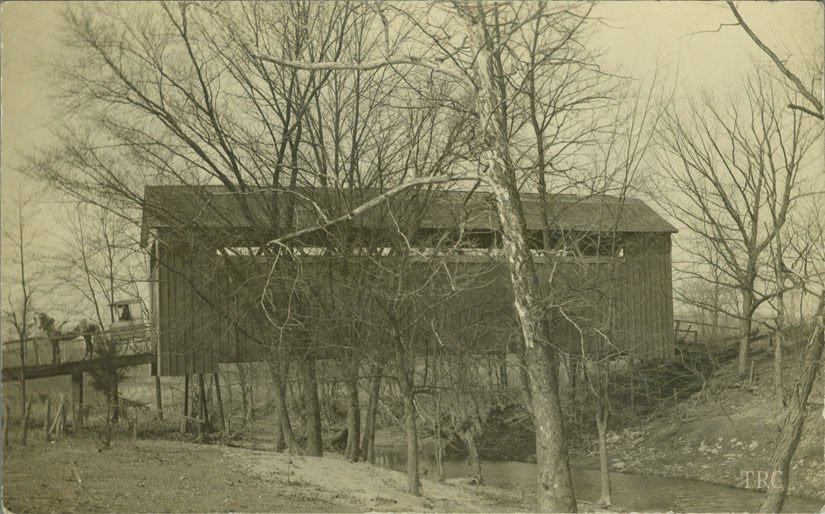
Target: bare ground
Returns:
[724, 434]
[143, 476]
[74, 475]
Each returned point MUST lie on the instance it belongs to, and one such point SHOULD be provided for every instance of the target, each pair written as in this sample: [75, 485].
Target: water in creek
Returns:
[634, 492]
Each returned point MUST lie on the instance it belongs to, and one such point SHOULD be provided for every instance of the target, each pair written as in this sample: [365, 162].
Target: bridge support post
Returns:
[158, 400]
[220, 406]
[77, 400]
[185, 424]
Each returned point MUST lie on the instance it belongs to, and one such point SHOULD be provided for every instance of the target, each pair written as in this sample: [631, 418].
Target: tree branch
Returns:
[806, 110]
[374, 202]
[800, 87]
[361, 66]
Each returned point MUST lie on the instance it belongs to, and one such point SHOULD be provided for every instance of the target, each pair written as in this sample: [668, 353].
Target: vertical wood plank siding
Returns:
[645, 299]
[154, 302]
[186, 331]
[195, 296]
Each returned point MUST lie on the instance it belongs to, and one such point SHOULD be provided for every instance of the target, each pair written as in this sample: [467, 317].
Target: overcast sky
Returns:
[639, 35]
[634, 38]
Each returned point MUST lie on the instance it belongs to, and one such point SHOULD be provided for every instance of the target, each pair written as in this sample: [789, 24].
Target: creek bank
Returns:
[725, 449]
[722, 434]
[72, 475]
[720, 431]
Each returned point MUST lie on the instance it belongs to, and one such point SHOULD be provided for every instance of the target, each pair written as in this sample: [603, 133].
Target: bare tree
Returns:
[801, 264]
[811, 105]
[198, 117]
[192, 129]
[19, 233]
[487, 27]
[729, 164]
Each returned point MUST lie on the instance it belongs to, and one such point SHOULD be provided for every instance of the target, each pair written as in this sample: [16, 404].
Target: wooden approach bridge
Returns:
[74, 367]
[134, 340]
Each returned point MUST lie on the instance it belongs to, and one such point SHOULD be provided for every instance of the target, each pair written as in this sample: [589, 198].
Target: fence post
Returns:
[77, 400]
[26, 412]
[46, 425]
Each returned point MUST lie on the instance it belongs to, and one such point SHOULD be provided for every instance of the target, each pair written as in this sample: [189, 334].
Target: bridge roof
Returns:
[217, 208]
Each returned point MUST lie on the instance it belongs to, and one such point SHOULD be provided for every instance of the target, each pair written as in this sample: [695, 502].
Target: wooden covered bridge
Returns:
[218, 296]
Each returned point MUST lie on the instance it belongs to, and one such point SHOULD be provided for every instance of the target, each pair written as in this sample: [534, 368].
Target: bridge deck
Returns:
[132, 342]
[82, 366]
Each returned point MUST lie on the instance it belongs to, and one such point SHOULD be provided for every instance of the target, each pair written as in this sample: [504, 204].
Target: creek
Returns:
[632, 492]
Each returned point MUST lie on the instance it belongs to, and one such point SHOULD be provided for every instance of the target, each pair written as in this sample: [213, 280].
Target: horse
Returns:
[47, 324]
[89, 330]
[84, 327]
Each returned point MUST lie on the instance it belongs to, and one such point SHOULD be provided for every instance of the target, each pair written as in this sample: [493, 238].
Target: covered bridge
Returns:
[606, 262]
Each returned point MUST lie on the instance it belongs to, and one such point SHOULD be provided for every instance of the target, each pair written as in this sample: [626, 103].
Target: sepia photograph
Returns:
[412, 256]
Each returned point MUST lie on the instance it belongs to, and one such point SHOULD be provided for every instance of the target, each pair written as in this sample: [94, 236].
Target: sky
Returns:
[635, 36]
[680, 38]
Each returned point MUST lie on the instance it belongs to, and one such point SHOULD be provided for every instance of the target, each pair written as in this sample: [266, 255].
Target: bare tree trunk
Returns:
[555, 487]
[315, 446]
[209, 397]
[107, 434]
[242, 383]
[228, 390]
[26, 411]
[632, 389]
[368, 443]
[353, 420]
[195, 408]
[22, 373]
[604, 463]
[791, 429]
[714, 332]
[221, 419]
[204, 411]
[279, 378]
[524, 382]
[328, 392]
[280, 444]
[468, 436]
[413, 482]
[572, 364]
[115, 404]
[745, 342]
[778, 386]
[503, 380]
[46, 420]
[779, 336]
[439, 449]
[250, 402]
[296, 409]
[62, 426]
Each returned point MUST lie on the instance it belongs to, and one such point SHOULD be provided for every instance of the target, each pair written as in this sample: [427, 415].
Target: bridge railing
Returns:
[128, 340]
